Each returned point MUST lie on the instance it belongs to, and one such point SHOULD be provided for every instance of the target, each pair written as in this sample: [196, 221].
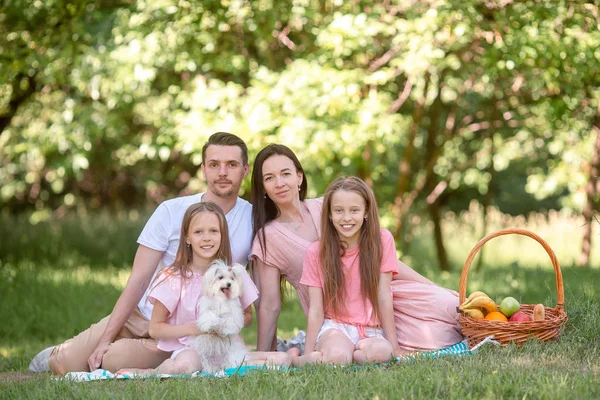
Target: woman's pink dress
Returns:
[425, 315]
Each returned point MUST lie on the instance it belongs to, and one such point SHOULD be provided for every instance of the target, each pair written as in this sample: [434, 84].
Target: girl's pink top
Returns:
[285, 249]
[358, 310]
[180, 297]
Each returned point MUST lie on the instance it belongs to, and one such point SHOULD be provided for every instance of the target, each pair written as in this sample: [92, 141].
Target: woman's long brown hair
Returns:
[184, 256]
[263, 208]
[332, 248]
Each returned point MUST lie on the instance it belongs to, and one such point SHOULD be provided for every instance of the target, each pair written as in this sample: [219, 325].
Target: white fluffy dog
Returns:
[220, 311]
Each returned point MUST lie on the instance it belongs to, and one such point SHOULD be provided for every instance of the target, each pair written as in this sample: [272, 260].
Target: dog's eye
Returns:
[221, 277]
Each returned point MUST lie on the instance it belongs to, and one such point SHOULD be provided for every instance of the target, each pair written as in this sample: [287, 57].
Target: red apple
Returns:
[519, 316]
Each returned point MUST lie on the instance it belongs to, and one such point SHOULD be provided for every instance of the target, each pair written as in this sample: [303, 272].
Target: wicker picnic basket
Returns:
[505, 332]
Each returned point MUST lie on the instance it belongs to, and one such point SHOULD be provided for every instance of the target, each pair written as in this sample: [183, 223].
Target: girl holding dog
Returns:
[176, 290]
[285, 225]
[348, 274]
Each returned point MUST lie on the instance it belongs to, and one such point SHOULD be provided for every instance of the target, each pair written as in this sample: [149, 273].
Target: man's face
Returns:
[223, 170]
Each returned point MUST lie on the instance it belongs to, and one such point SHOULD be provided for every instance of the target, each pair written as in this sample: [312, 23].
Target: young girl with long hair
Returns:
[176, 290]
[348, 274]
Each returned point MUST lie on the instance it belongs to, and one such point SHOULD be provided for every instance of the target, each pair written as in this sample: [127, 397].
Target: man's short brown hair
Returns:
[226, 139]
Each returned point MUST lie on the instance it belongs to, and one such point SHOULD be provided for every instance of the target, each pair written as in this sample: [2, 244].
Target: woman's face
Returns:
[281, 179]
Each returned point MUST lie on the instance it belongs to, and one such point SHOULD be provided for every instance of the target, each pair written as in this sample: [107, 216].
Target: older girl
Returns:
[348, 274]
[286, 223]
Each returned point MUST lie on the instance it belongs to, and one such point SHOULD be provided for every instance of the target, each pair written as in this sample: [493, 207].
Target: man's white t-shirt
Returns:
[162, 232]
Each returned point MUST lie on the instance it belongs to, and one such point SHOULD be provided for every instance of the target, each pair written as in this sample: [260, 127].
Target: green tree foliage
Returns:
[434, 103]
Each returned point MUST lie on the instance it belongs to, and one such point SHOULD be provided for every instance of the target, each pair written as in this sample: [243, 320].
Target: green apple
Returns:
[509, 306]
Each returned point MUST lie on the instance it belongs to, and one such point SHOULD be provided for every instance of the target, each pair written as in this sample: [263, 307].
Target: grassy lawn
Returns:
[57, 280]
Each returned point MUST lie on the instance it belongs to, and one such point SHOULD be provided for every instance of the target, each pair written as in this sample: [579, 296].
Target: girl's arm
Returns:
[145, 263]
[161, 329]
[248, 316]
[270, 305]
[316, 316]
[386, 310]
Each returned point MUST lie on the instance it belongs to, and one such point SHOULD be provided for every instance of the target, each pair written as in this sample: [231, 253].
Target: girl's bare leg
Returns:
[333, 347]
[185, 362]
[268, 359]
[373, 350]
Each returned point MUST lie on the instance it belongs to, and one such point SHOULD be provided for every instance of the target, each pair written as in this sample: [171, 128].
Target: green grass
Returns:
[55, 280]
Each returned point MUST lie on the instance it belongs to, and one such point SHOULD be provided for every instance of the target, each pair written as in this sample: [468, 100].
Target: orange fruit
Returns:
[496, 316]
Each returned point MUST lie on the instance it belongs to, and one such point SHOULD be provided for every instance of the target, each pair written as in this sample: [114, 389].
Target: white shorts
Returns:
[351, 331]
[176, 352]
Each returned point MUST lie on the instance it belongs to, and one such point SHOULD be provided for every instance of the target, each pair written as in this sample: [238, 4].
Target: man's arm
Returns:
[144, 265]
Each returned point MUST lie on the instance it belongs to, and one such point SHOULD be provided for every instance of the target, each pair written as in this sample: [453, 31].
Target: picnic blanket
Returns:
[459, 349]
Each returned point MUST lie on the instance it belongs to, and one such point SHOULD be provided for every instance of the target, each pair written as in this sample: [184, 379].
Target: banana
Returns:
[485, 303]
[476, 294]
[474, 313]
[469, 301]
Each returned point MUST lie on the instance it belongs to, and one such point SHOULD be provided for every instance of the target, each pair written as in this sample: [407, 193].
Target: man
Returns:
[121, 339]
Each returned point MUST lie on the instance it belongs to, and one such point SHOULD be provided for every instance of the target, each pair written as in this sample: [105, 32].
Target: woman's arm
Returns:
[270, 305]
[144, 265]
[386, 310]
[408, 274]
[316, 316]
[248, 316]
[161, 329]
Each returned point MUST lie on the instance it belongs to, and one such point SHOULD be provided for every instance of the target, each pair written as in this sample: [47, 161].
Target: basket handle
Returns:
[462, 287]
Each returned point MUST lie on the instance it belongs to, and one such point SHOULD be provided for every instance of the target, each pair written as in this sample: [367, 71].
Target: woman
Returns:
[286, 223]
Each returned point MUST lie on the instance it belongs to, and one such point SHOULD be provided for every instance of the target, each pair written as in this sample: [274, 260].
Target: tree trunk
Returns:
[434, 212]
[432, 154]
[17, 98]
[364, 167]
[590, 189]
[487, 199]
[404, 168]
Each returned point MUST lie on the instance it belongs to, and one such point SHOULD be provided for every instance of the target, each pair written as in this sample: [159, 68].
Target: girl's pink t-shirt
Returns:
[180, 297]
[359, 310]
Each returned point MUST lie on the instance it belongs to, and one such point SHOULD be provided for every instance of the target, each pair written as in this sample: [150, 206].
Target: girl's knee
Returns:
[337, 356]
[183, 367]
[379, 352]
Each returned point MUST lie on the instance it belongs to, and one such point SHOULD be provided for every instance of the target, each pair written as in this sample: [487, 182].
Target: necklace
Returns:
[297, 227]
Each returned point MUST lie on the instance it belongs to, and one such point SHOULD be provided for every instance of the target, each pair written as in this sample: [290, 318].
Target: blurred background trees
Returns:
[106, 104]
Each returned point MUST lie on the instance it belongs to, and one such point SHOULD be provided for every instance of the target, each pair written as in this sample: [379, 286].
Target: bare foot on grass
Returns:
[133, 372]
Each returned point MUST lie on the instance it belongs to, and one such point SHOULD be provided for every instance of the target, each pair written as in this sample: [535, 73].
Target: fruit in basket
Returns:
[519, 316]
[509, 306]
[539, 313]
[476, 294]
[479, 300]
[496, 316]
[474, 313]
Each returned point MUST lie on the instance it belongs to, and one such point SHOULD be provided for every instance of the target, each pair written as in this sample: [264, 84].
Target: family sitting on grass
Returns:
[357, 310]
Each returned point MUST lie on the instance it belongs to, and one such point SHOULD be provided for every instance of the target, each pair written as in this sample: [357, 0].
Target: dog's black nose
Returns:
[228, 284]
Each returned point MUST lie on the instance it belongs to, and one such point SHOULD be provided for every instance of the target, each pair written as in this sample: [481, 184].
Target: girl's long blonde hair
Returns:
[184, 256]
[369, 242]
